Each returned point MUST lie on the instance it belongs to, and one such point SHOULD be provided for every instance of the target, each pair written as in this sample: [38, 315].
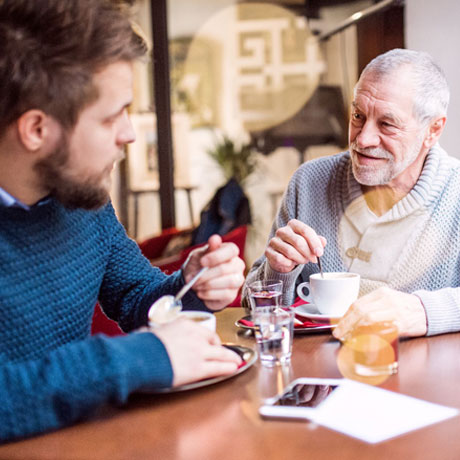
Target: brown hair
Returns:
[50, 49]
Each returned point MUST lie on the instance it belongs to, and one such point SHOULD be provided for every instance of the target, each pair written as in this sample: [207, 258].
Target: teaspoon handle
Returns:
[187, 286]
[319, 265]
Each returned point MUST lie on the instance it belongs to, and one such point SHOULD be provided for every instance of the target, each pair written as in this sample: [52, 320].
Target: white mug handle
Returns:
[300, 291]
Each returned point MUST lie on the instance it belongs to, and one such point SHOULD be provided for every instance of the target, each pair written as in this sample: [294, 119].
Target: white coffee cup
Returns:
[332, 294]
[203, 318]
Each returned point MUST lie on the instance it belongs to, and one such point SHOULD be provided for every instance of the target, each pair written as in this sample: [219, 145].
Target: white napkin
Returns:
[373, 414]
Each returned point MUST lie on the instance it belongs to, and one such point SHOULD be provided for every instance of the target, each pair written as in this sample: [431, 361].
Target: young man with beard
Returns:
[65, 85]
[388, 209]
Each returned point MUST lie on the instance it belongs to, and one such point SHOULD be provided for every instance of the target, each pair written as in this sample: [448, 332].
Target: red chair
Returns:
[103, 325]
[153, 248]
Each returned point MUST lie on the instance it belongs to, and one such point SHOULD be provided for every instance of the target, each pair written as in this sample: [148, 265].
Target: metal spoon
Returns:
[319, 265]
[187, 287]
[167, 307]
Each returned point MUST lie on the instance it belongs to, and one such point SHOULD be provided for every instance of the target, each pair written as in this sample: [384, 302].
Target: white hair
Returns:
[431, 90]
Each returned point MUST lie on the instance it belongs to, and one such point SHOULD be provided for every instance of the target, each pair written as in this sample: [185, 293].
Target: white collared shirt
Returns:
[9, 201]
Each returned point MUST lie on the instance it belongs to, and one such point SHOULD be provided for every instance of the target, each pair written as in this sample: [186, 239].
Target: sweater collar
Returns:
[428, 187]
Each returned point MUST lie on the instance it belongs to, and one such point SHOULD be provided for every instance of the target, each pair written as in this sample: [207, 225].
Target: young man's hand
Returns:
[195, 352]
[220, 284]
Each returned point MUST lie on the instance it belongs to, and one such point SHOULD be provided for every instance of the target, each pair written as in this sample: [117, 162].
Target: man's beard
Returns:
[69, 190]
[389, 169]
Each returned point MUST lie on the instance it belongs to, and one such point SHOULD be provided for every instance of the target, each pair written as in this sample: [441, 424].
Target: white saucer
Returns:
[310, 311]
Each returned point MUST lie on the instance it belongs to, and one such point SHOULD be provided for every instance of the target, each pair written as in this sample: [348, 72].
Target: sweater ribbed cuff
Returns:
[144, 360]
[442, 309]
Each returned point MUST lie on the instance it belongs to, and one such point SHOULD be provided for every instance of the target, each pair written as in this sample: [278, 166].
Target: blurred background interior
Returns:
[241, 93]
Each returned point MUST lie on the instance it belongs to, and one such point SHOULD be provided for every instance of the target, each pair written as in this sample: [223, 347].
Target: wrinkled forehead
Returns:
[394, 89]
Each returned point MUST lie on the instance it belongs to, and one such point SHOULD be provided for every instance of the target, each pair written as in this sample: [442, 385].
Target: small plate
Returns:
[297, 330]
[309, 311]
[238, 323]
[246, 354]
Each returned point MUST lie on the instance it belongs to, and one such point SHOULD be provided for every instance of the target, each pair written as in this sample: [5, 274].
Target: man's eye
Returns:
[357, 116]
[110, 120]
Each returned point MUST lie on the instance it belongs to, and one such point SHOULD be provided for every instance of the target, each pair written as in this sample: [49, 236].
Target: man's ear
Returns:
[33, 129]
[434, 131]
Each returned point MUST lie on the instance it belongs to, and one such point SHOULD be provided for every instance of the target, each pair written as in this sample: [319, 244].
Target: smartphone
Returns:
[300, 399]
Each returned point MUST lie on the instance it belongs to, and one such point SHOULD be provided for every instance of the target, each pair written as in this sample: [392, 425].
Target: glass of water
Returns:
[266, 293]
[274, 329]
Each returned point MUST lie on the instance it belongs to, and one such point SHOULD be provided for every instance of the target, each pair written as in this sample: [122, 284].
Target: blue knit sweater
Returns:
[54, 265]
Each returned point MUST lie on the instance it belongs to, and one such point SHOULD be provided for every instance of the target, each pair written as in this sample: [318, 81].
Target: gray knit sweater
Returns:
[429, 265]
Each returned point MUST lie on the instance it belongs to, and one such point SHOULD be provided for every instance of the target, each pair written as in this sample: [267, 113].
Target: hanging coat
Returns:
[228, 209]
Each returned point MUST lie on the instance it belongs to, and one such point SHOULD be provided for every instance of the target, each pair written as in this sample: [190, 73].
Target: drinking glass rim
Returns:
[265, 284]
[386, 326]
[279, 311]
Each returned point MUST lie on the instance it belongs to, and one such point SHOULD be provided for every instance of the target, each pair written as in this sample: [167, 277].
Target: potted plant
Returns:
[237, 161]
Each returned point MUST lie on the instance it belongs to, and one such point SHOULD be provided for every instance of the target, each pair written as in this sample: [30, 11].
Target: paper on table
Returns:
[373, 414]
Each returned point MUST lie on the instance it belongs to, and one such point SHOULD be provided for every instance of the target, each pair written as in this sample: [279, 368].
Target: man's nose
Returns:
[368, 136]
[126, 133]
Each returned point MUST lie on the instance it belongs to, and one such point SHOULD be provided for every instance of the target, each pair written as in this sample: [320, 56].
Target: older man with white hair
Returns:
[388, 208]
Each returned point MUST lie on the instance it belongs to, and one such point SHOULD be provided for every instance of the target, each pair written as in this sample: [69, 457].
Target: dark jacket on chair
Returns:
[228, 209]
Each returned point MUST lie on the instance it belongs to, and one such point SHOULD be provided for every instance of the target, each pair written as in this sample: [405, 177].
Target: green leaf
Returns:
[236, 161]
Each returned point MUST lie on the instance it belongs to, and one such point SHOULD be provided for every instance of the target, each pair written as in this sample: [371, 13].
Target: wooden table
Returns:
[221, 421]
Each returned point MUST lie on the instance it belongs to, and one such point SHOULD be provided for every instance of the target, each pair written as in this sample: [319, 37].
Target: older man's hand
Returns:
[383, 304]
[294, 244]
[219, 285]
